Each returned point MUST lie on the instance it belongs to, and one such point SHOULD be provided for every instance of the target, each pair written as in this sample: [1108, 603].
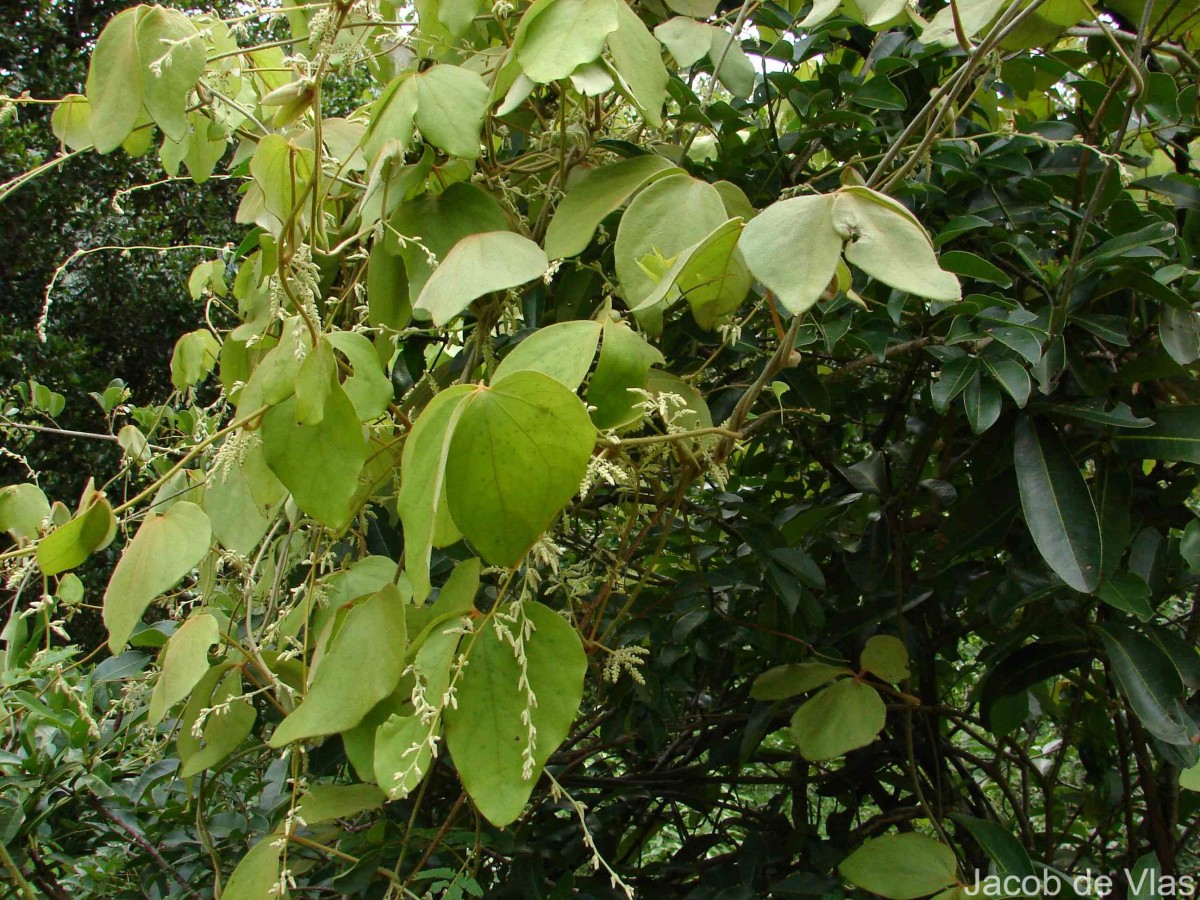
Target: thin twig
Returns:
[141, 841]
[93, 436]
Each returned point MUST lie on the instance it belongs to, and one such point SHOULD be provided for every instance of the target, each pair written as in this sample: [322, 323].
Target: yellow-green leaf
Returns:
[69, 545]
[184, 663]
[172, 56]
[72, 122]
[423, 481]
[23, 508]
[114, 81]
[162, 552]
[486, 733]
[361, 665]
[319, 463]
[517, 455]
[843, 717]
[479, 264]
[901, 866]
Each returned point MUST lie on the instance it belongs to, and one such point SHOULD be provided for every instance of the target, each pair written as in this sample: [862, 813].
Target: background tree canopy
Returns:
[584, 448]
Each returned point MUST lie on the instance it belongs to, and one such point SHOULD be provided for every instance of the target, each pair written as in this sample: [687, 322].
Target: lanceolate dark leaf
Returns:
[1175, 435]
[1057, 505]
[1114, 497]
[1010, 857]
[1150, 683]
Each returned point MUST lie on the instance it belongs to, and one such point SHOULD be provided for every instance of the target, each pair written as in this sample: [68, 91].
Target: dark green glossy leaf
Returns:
[1057, 505]
[1150, 683]
[1175, 435]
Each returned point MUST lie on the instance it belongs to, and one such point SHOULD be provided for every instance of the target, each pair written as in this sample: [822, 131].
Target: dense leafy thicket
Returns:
[657, 449]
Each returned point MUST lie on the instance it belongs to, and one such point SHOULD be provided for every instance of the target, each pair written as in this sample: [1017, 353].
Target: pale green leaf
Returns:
[23, 509]
[359, 741]
[392, 117]
[369, 389]
[710, 275]
[451, 103]
[319, 464]
[687, 39]
[439, 221]
[484, 730]
[592, 79]
[70, 589]
[737, 204]
[388, 305]
[879, 13]
[69, 545]
[821, 10]
[695, 414]
[517, 93]
[326, 802]
[455, 598]
[72, 122]
[315, 379]
[842, 717]
[735, 71]
[887, 657]
[973, 16]
[257, 872]
[172, 55]
[457, 15]
[343, 141]
[667, 217]
[697, 9]
[274, 378]
[794, 679]
[205, 146]
[885, 241]
[1190, 779]
[205, 276]
[564, 35]
[596, 195]
[193, 359]
[423, 481]
[793, 248]
[162, 552]
[901, 866]
[184, 663]
[479, 264]
[402, 753]
[637, 57]
[238, 498]
[517, 455]
[281, 169]
[403, 744]
[223, 732]
[361, 666]
[564, 351]
[625, 361]
[114, 81]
